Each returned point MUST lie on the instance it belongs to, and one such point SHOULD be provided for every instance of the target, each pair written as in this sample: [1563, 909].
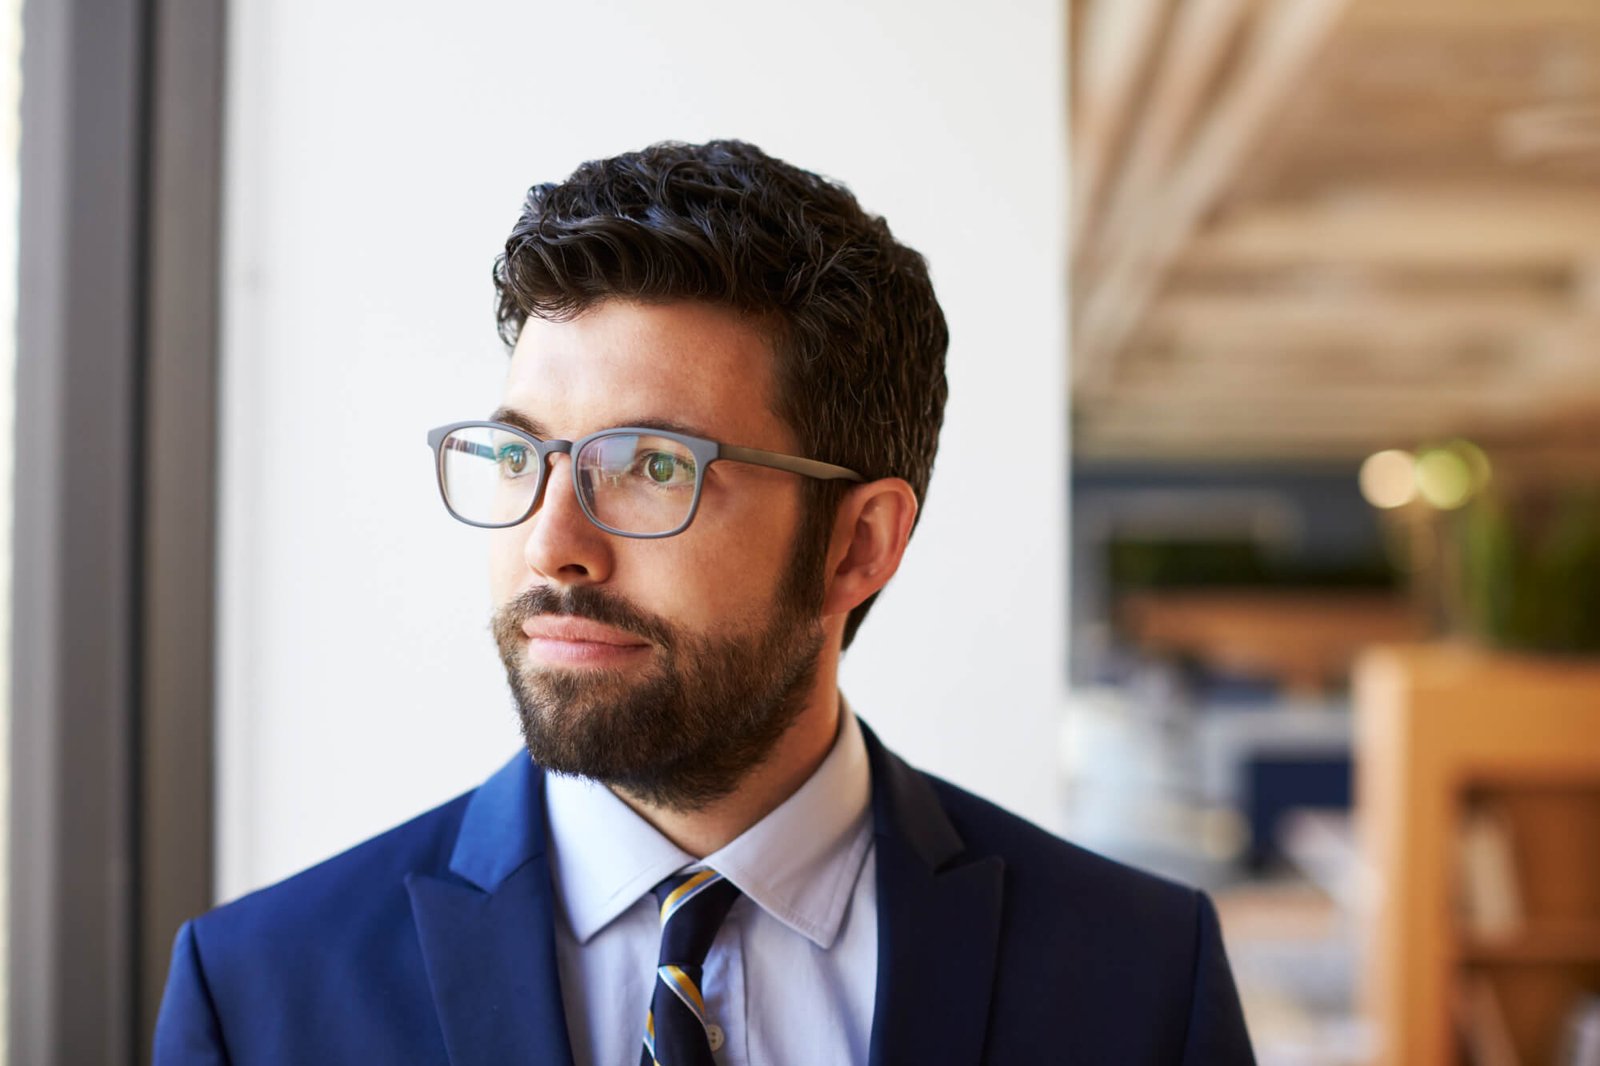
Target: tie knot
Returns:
[692, 906]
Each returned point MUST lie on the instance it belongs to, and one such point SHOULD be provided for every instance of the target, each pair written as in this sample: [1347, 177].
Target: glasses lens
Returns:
[637, 482]
[489, 476]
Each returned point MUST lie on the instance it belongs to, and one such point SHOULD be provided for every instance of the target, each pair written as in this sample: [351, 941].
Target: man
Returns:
[718, 426]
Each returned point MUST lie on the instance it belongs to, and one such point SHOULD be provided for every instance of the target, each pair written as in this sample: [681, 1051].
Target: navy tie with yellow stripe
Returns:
[677, 1031]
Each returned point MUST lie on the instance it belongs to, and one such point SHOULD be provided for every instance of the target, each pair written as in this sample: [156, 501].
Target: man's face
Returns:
[664, 667]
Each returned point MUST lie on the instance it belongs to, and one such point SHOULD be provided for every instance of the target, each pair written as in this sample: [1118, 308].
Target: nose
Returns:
[562, 545]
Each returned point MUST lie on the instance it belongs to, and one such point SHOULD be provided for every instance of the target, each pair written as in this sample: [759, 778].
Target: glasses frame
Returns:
[705, 453]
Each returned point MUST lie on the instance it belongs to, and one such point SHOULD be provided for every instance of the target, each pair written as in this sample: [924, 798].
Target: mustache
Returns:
[581, 601]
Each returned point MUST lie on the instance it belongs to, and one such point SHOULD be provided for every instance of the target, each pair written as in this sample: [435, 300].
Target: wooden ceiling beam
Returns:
[1266, 316]
[1118, 38]
[1266, 439]
[1269, 388]
[1433, 226]
[1471, 14]
[1521, 448]
[1320, 227]
[1175, 453]
[1353, 440]
[1133, 447]
[1380, 432]
[1195, 45]
[1286, 41]
[1550, 130]
[1315, 371]
[1269, 401]
[1289, 374]
[1586, 284]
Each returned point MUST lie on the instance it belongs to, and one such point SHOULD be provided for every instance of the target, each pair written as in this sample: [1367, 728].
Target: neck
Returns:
[789, 765]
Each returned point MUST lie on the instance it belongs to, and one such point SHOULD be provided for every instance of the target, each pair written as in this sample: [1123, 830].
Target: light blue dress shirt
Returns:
[793, 971]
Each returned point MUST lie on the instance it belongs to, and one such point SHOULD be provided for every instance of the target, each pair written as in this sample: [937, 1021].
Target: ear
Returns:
[870, 531]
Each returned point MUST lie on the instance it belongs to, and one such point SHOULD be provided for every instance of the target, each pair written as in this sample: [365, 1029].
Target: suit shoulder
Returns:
[340, 890]
[325, 966]
[1133, 960]
[1066, 870]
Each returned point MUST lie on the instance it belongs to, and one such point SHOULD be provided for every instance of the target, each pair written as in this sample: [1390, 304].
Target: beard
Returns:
[707, 710]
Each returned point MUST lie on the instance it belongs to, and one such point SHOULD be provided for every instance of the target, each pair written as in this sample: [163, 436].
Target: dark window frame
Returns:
[111, 835]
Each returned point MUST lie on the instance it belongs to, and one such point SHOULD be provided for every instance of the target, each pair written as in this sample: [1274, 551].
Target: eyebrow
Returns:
[513, 417]
[533, 427]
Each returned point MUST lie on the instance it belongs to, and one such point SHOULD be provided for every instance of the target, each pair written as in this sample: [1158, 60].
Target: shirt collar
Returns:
[799, 863]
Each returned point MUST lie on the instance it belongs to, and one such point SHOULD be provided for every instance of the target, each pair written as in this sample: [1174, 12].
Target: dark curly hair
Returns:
[859, 336]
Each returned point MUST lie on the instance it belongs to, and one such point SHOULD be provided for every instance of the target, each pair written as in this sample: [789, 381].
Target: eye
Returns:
[514, 459]
[663, 468]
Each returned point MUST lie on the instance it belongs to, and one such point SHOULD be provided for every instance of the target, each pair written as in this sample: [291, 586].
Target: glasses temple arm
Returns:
[792, 463]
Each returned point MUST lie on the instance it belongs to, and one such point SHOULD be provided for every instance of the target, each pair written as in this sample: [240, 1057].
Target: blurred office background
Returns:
[1335, 503]
[1289, 308]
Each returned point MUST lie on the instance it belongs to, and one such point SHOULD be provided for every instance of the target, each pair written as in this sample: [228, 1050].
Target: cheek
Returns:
[734, 563]
[507, 571]
[723, 571]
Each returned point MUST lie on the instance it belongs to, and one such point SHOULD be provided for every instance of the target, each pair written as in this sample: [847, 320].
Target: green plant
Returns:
[1529, 573]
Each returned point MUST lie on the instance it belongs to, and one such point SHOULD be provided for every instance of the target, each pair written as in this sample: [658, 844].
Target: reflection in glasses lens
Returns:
[637, 482]
[489, 476]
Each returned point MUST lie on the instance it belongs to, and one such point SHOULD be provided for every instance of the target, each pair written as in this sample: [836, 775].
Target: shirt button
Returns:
[714, 1034]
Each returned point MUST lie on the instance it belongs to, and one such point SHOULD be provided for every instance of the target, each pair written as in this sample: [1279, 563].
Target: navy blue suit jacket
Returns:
[433, 943]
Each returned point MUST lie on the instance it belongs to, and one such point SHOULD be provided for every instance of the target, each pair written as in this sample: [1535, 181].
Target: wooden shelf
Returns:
[1544, 942]
[1445, 736]
[1305, 640]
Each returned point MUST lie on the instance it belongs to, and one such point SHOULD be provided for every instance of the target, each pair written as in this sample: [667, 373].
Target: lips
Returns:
[565, 629]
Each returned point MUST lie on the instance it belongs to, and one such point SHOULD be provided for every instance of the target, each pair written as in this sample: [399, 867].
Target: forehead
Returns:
[698, 365]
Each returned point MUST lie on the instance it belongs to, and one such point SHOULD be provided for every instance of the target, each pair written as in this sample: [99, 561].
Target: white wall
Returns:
[378, 154]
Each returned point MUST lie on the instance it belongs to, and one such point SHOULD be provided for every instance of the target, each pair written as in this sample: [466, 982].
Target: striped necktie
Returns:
[693, 906]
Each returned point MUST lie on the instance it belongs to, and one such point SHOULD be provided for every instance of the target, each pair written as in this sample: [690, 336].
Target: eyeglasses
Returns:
[629, 481]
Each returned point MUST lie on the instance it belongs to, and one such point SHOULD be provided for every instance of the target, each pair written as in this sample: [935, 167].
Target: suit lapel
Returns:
[487, 933]
[939, 911]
